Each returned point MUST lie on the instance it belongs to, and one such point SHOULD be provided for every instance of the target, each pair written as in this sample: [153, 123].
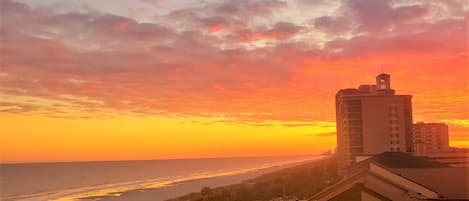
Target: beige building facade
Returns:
[372, 119]
[430, 138]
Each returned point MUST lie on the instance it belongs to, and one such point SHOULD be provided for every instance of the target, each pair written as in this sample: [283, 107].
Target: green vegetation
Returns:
[302, 181]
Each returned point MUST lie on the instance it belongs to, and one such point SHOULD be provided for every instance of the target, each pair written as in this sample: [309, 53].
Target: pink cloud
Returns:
[279, 31]
[163, 69]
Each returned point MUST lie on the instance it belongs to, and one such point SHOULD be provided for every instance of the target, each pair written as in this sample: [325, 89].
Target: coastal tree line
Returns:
[301, 182]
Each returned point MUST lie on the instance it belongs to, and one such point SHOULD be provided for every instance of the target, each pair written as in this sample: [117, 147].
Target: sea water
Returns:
[68, 181]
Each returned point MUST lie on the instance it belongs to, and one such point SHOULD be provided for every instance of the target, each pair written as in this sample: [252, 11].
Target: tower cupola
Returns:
[383, 81]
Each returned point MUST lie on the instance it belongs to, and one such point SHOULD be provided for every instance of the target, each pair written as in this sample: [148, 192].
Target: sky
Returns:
[152, 79]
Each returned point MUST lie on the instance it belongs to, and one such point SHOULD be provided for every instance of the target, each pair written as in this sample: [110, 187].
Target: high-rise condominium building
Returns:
[372, 119]
[430, 138]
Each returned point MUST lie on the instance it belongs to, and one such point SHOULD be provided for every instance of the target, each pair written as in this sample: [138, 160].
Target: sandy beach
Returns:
[182, 188]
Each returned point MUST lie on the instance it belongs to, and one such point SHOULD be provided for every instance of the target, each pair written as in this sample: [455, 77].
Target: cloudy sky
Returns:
[138, 79]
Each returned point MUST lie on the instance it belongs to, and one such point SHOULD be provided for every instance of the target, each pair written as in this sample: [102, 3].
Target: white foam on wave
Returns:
[117, 189]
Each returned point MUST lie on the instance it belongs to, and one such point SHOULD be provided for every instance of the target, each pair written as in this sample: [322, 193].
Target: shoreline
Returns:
[179, 185]
[181, 188]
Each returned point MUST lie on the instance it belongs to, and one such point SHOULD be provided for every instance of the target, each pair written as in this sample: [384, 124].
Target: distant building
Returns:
[430, 138]
[372, 119]
[399, 176]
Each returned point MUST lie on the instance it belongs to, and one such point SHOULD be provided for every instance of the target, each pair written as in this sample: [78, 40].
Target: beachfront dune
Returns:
[298, 182]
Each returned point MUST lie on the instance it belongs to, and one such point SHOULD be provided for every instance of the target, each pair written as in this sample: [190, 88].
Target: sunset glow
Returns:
[152, 79]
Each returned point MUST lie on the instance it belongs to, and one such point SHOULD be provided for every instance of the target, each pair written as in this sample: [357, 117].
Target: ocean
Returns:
[69, 181]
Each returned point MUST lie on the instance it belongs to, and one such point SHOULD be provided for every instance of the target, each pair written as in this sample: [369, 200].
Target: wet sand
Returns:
[182, 188]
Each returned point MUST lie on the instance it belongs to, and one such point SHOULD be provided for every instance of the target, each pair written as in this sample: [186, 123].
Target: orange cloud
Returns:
[96, 65]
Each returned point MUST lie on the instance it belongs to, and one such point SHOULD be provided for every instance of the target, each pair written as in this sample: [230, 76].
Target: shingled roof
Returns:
[404, 160]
